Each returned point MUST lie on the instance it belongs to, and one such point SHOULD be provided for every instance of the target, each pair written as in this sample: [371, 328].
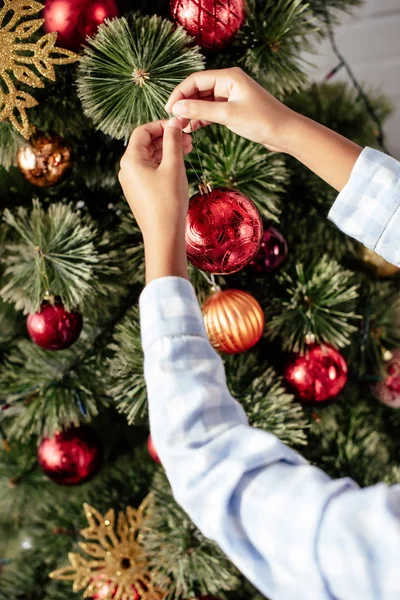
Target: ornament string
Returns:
[211, 280]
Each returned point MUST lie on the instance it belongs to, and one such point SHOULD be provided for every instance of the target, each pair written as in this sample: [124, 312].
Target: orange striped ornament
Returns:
[234, 321]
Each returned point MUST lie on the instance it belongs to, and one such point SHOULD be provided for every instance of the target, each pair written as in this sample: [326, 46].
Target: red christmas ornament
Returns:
[152, 450]
[71, 457]
[272, 253]
[318, 375]
[223, 231]
[212, 22]
[53, 327]
[103, 589]
[76, 19]
[387, 390]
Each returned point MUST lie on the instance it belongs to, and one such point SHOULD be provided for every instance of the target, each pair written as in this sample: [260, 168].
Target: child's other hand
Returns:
[153, 176]
[232, 98]
[153, 179]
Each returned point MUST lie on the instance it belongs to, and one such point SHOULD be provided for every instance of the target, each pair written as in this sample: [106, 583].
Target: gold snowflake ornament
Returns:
[118, 568]
[24, 62]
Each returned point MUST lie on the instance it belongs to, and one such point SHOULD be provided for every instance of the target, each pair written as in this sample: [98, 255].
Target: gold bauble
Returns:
[234, 321]
[44, 160]
[380, 266]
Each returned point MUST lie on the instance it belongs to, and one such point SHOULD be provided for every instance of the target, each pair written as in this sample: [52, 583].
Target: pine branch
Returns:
[11, 326]
[53, 388]
[195, 565]
[272, 40]
[129, 69]
[10, 142]
[349, 437]
[333, 8]
[231, 161]
[318, 301]
[379, 329]
[266, 402]
[127, 384]
[53, 251]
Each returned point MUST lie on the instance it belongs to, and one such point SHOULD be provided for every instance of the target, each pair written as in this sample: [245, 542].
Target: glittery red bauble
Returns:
[272, 253]
[223, 231]
[76, 19]
[388, 389]
[152, 450]
[212, 22]
[71, 457]
[318, 375]
[53, 327]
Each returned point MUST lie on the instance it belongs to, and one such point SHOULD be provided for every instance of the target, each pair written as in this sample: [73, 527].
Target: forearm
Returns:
[165, 255]
[328, 154]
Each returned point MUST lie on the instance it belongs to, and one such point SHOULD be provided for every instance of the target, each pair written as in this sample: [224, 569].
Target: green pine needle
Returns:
[10, 142]
[53, 251]
[127, 384]
[229, 160]
[129, 69]
[194, 564]
[271, 43]
[318, 301]
[267, 403]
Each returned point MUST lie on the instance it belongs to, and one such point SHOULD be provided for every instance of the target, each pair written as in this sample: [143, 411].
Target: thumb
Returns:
[202, 110]
[172, 143]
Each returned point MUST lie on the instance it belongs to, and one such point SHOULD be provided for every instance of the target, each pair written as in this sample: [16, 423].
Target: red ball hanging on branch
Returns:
[74, 20]
[53, 327]
[105, 589]
[44, 160]
[212, 22]
[71, 457]
[152, 451]
[320, 374]
[234, 321]
[272, 253]
[387, 390]
[223, 231]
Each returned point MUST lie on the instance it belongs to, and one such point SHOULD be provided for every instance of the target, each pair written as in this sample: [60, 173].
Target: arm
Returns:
[294, 532]
[368, 207]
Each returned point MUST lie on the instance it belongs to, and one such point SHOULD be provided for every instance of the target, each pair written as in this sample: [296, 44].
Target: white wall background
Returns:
[370, 41]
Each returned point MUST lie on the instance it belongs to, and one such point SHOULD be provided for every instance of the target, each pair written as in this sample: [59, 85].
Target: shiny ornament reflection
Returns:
[223, 231]
[74, 20]
[53, 327]
[152, 451]
[234, 321]
[318, 375]
[272, 253]
[45, 160]
[71, 457]
[387, 390]
[212, 22]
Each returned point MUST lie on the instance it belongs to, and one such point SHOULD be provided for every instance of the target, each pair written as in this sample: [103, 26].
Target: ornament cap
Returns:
[205, 186]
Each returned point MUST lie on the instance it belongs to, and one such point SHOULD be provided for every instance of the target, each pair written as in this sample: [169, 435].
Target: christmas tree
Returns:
[85, 507]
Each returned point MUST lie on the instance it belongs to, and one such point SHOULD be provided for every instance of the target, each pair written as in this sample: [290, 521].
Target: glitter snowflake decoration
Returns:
[118, 566]
[25, 62]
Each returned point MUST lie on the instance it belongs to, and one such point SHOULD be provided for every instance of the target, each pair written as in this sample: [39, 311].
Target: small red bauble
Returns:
[212, 22]
[53, 327]
[318, 375]
[76, 19]
[103, 588]
[152, 450]
[387, 390]
[272, 253]
[71, 457]
[223, 231]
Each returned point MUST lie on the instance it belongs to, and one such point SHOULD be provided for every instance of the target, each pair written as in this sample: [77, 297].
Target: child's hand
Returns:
[232, 98]
[153, 179]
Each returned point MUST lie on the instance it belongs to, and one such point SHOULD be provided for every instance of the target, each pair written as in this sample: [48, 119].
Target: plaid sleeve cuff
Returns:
[169, 307]
[368, 207]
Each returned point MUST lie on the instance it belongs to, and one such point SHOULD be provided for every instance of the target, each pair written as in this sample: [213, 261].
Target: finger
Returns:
[195, 125]
[158, 153]
[142, 138]
[172, 147]
[202, 110]
[201, 81]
